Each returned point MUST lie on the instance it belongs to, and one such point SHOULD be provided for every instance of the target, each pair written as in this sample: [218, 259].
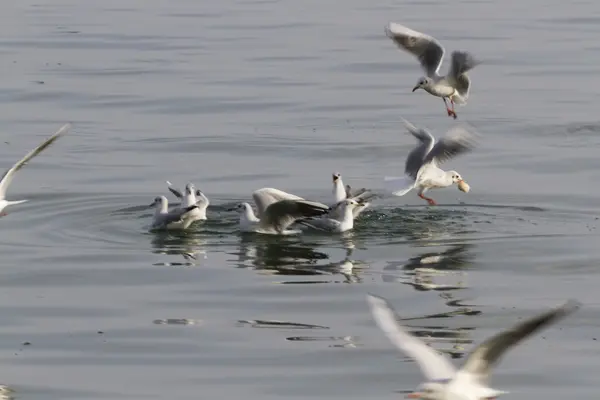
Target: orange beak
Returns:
[414, 395]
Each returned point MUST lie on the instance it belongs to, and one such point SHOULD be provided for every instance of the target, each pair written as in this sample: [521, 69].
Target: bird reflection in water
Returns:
[298, 257]
[183, 244]
[422, 272]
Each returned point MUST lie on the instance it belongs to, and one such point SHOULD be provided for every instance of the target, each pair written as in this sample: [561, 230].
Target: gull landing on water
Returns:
[191, 197]
[455, 85]
[421, 170]
[165, 219]
[471, 382]
[277, 211]
[8, 175]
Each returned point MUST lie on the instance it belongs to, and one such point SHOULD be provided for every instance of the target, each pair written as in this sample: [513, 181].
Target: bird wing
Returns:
[176, 192]
[457, 141]
[461, 63]
[9, 174]
[284, 213]
[481, 360]
[433, 365]
[416, 158]
[427, 49]
[264, 197]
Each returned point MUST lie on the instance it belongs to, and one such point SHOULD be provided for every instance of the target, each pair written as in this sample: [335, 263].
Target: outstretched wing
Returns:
[9, 174]
[264, 197]
[457, 141]
[427, 49]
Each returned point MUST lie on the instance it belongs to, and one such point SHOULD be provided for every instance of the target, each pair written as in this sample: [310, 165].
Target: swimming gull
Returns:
[455, 85]
[422, 164]
[9, 174]
[472, 381]
[165, 219]
[341, 193]
[341, 221]
[192, 196]
[277, 210]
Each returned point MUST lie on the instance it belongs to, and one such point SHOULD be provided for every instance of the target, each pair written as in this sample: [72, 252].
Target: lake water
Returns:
[239, 95]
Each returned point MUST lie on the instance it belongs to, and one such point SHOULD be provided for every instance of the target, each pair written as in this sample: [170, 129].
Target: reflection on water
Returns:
[297, 257]
[181, 243]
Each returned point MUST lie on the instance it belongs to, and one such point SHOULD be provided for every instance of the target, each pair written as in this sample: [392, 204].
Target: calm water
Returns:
[238, 95]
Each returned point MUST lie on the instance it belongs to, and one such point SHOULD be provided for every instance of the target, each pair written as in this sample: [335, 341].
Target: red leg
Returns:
[452, 112]
[429, 200]
[3, 214]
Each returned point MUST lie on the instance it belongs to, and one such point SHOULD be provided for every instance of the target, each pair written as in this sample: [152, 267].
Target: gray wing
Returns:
[175, 215]
[9, 174]
[284, 213]
[457, 141]
[320, 224]
[176, 192]
[462, 62]
[264, 197]
[428, 50]
[416, 158]
[487, 354]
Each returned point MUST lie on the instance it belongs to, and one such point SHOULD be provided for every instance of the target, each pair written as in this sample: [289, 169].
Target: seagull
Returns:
[342, 221]
[277, 210]
[472, 381]
[8, 175]
[341, 193]
[421, 169]
[455, 85]
[190, 199]
[165, 219]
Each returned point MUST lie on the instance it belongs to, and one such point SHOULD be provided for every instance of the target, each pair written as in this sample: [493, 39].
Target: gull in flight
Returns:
[421, 170]
[8, 175]
[472, 381]
[165, 219]
[341, 193]
[430, 53]
[277, 210]
[191, 197]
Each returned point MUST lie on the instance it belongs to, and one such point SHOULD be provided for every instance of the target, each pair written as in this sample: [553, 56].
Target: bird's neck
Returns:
[248, 216]
[190, 199]
[347, 217]
[339, 192]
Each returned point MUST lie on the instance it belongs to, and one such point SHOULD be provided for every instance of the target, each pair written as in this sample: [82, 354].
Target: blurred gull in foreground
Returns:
[8, 175]
[455, 85]
[421, 170]
[472, 381]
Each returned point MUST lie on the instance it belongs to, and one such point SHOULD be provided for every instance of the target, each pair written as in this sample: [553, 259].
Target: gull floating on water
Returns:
[8, 175]
[422, 164]
[165, 219]
[455, 85]
[342, 221]
[341, 193]
[472, 381]
[191, 197]
[277, 210]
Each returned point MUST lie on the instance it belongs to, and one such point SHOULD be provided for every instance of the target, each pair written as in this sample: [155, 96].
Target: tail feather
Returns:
[399, 186]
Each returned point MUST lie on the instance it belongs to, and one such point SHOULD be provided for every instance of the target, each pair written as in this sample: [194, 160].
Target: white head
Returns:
[455, 176]
[423, 83]
[245, 210]
[160, 203]
[190, 189]
[339, 192]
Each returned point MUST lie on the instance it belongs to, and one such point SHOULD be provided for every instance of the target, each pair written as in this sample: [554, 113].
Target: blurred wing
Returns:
[457, 141]
[8, 175]
[428, 50]
[416, 158]
[480, 362]
[176, 192]
[264, 197]
[431, 363]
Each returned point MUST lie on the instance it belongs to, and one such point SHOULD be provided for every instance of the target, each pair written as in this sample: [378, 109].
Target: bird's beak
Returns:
[415, 88]
[151, 205]
[231, 209]
[335, 178]
[414, 395]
